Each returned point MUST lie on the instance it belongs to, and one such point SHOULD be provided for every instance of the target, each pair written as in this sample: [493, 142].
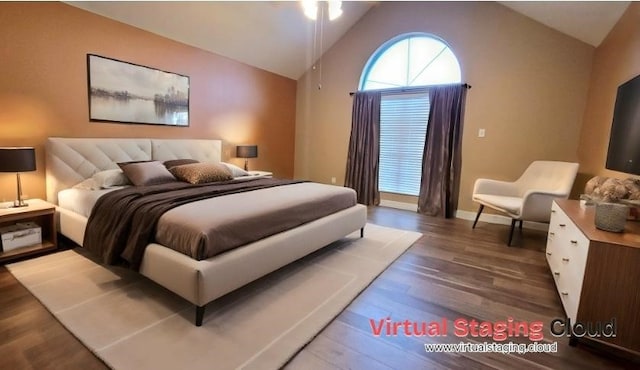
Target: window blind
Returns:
[403, 129]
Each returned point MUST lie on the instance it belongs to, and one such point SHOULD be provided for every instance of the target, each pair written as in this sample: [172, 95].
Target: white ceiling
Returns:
[271, 35]
[277, 37]
[587, 21]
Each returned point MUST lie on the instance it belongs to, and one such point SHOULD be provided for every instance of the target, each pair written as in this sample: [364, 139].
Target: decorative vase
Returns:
[611, 216]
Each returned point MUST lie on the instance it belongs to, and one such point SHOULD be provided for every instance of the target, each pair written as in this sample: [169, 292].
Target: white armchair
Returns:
[528, 198]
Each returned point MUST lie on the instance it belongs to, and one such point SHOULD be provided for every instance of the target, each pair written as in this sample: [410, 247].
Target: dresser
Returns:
[597, 273]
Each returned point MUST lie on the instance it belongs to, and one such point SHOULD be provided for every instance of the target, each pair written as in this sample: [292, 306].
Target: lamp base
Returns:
[19, 203]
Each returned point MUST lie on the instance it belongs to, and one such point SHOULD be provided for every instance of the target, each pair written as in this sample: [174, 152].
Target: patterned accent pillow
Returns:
[201, 173]
[146, 173]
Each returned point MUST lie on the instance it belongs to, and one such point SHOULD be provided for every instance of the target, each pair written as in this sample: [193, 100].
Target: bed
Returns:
[70, 161]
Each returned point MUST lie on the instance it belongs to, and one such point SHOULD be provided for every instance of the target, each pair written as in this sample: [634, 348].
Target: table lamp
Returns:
[246, 152]
[18, 159]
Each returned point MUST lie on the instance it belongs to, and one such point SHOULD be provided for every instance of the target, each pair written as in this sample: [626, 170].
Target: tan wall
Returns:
[616, 61]
[529, 88]
[43, 89]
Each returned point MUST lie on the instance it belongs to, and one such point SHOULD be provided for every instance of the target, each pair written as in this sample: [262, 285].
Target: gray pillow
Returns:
[178, 162]
[147, 173]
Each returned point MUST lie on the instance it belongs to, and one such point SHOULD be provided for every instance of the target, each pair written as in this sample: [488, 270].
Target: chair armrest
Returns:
[495, 187]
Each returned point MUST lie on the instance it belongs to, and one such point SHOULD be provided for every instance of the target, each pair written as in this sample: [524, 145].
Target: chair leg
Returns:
[199, 315]
[513, 226]
[520, 226]
[478, 216]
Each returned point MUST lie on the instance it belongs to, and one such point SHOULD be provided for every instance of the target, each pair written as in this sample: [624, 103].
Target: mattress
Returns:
[81, 201]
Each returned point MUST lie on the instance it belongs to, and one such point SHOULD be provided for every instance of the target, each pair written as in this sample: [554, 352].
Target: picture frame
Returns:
[124, 92]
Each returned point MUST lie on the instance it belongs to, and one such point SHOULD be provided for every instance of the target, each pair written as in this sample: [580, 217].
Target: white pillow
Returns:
[104, 180]
[235, 170]
[88, 184]
[110, 178]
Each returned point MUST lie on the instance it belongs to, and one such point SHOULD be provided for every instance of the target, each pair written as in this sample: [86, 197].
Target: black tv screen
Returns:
[624, 143]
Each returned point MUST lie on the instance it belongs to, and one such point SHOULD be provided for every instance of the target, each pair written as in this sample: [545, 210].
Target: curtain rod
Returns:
[409, 88]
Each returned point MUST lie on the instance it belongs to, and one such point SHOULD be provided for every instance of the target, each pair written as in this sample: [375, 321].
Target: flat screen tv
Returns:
[624, 143]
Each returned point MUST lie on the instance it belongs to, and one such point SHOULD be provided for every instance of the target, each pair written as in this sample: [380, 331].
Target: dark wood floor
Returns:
[451, 272]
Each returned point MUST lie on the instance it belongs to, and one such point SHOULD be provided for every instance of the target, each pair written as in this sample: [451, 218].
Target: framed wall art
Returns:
[130, 93]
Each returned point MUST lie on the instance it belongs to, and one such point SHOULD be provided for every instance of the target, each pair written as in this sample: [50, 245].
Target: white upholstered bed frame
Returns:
[71, 160]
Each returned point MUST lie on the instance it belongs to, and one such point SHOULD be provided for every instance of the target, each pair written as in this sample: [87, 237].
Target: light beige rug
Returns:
[132, 323]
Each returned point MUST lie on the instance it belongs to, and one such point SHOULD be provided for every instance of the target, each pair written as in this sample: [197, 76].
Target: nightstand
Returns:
[38, 211]
[261, 173]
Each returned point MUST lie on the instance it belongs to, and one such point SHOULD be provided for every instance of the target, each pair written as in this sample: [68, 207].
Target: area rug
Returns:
[132, 323]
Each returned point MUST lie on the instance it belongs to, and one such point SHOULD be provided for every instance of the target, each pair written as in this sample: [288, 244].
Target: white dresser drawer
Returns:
[566, 253]
[555, 238]
[576, 247]
[558, 221]
[570, 299]
[550, 251]
[572, 254]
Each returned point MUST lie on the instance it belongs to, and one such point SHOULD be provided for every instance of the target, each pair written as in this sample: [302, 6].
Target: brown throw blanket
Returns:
[123, 222]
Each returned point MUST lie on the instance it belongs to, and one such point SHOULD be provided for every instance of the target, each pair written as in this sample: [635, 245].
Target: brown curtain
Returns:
[442, 160]
[364, 147]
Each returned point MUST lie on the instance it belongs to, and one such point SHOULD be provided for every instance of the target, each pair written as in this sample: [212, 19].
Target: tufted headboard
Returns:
[71, 160]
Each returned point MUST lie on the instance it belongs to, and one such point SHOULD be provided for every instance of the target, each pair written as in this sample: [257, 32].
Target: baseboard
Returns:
[467, 215]
[499, 219]
[399, 205]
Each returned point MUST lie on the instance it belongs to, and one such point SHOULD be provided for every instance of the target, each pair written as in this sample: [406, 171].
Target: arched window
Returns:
[415, 59]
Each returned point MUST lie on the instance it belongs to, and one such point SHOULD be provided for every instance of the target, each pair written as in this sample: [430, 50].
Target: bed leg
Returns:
[199, 315]
[362, 232]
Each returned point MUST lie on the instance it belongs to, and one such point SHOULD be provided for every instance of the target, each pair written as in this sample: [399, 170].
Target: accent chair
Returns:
[528, 198]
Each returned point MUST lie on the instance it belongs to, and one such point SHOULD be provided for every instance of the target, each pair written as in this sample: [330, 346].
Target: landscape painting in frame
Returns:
[131, 93]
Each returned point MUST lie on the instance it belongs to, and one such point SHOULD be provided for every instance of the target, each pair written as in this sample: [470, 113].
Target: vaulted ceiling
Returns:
[277, 37]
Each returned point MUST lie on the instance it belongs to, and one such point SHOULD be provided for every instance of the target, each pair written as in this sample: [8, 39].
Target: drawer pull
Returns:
[552, 233]
[564, 294]
[565, 259]
[556, 273]
[562, 225]
[574, 242]
[553, 211]
[548, 253]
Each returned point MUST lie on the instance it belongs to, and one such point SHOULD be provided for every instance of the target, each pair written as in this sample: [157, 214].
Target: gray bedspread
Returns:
[203, 221]
[218, 224]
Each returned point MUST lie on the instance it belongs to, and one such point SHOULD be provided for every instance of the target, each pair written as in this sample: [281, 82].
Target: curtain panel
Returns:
[442, 160]
[364, 147]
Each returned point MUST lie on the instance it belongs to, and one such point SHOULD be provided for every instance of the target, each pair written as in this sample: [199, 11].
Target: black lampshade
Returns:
[17, 159]
[247, 151]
